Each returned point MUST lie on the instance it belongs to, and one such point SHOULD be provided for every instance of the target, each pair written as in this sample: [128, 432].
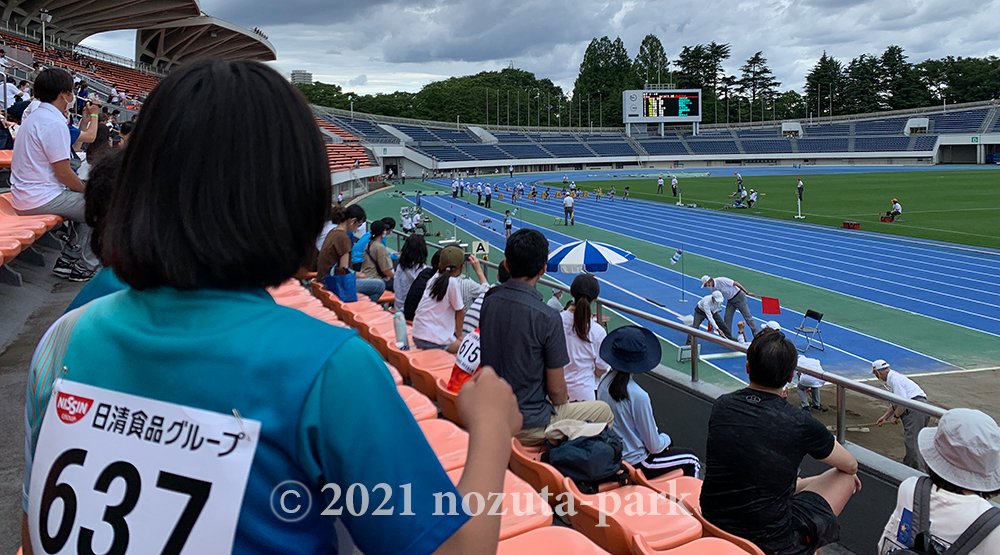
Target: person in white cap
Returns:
[913, 421]
[963, 461]
[736, 299]
[709, 307]
[554, 302]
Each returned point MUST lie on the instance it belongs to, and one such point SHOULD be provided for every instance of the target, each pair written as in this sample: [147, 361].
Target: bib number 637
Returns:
[54, 538]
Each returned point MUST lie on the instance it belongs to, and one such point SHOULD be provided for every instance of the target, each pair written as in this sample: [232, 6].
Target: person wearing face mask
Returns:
[42, 180]
[335, 255]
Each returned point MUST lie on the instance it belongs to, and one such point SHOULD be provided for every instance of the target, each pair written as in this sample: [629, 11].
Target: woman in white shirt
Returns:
[963, 461]
[412, 261]
[437, 323]
[583, 340]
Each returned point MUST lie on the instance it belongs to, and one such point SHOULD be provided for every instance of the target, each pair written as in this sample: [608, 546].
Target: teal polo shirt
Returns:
[328, 407]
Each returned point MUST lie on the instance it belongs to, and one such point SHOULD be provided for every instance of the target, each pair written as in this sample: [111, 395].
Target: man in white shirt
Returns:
[659, 184]
[798, 187]
[113, 97]
[555, 301]
[897, 210]
[489, 194]
[511, 170]
[739, 181]
[913, 421]
[752, 199]
[709, 307]
[963, 460]
[736, 299]
[568, 210]
[479, 194]
[402, 175]
[454, 189]
[42, 181]
[673, 184]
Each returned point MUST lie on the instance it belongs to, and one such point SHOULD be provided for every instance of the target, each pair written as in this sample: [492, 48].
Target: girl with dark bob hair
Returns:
[223, 189]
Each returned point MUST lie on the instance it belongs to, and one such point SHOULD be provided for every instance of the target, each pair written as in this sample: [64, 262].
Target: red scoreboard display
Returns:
[672, 106]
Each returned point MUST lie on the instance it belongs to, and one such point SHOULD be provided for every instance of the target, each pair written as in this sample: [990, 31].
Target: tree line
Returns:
[868, 83]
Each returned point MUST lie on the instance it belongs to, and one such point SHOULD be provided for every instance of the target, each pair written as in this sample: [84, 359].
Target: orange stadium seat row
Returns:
[18, 234]
[345, 157]
[672, 523]
[336, 130]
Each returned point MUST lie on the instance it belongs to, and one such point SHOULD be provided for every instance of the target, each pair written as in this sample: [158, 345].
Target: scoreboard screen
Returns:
[673, 106]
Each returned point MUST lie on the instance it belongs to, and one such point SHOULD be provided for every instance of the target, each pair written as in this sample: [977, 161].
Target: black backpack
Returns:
[589, 461]
[923, 544]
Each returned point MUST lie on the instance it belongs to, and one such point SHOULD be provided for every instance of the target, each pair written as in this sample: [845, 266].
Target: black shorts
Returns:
[813, 526]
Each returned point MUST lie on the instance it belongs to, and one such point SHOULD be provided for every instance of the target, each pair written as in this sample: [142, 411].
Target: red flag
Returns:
[770, 305]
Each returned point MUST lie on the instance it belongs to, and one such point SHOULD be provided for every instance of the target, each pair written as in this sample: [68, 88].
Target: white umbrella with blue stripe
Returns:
[586, 256]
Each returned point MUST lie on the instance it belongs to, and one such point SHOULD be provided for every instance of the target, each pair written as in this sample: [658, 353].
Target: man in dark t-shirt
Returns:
[522, 339]
[756, 442]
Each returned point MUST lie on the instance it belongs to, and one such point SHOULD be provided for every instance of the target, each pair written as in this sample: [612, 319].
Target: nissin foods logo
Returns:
[72, 408]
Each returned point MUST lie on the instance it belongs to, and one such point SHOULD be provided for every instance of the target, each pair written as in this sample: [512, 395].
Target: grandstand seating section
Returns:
[483, 152]
[713, 147]
[524, 151]
[822, 145]
[130, 79]
[608, 148]
[967, 121]
[567, 150]
[362, 129]
[663, 147]
[772, 132]
[767, 146]
[891, 126]
[831, 129]
[881, 144]
[529, 530]
[925, 142]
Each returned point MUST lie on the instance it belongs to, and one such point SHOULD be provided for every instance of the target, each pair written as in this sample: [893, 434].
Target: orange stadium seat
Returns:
[668, 527]
[531, 513]
[396, 376]
[548, 541]
[25, 236]
[674, 485]
[9, 248]
[7, 209]
[420, 406]
[449, 442]
[693, 505]
[6, 157]
[448, 402]
[427, 366]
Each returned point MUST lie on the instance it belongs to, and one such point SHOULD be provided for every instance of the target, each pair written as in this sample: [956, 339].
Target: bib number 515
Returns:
[114, 515]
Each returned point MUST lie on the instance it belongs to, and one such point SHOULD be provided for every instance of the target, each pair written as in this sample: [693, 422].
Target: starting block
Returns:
[586, 194]
[500, 196]
[684, 353]
[852, 225]
[885, 218]
[559, 220]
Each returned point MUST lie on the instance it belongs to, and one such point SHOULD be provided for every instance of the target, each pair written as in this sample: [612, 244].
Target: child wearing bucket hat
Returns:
[437, 324]
[963, 460]
[583, 340]
[635, 350]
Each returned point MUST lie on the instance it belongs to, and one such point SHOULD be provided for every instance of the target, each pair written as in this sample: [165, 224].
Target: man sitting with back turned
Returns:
[523, 340]
[756, 442]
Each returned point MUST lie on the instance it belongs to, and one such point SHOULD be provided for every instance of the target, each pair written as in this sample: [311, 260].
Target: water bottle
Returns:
[399, 324]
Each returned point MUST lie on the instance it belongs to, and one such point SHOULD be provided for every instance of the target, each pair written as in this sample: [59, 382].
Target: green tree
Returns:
[823, 87]
[606, 71]
[651, 62]
[694, 67]
[861, 86]
[716, 54]
[901, 85]
[757, 81]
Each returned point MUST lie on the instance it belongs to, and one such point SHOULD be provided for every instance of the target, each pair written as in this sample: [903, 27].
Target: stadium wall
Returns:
[965, 148]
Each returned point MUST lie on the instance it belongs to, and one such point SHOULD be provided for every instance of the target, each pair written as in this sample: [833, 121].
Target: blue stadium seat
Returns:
[823, 145]
[767, 146]
[967, 121]
[417, 133]
[714, 147]
[770, 132]
[881, 144]
[613, 149]
[363, 129]
[829, 129]
[484, 152]
[664, 147]
[511, 137]
[445, 153]
[454, 136]
[925, 142]
[524, 151]
[892, 126]
[568, 150]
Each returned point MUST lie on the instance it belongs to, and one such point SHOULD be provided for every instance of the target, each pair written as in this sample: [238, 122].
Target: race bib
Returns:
[468, 359]
[117, 473]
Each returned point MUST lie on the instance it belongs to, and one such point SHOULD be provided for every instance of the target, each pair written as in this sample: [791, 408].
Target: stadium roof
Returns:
[168, 44]
[75, 20]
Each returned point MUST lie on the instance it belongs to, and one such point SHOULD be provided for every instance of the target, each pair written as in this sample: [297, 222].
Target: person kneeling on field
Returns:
[896, 211]
[756, 443]
[634, 350]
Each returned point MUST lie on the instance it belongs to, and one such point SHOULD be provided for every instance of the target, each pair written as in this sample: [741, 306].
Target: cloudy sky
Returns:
[386, 45]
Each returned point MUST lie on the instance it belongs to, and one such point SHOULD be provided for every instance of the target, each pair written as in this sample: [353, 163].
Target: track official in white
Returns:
[736, 299]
